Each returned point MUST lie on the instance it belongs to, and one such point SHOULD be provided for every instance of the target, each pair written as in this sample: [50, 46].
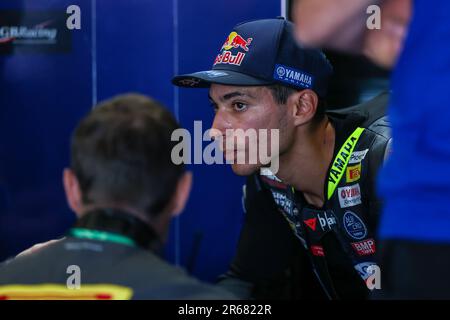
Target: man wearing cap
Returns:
[309, 229]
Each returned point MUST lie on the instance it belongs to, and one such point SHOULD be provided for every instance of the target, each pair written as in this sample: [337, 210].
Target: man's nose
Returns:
[219, 126]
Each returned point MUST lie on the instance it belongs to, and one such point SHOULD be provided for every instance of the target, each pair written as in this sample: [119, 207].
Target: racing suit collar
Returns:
[344, 125]
[122, 224]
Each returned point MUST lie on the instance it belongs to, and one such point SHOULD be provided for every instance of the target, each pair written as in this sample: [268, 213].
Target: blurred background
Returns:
[47, 85]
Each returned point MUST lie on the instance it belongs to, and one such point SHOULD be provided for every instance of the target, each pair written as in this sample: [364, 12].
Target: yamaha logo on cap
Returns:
[293, 76]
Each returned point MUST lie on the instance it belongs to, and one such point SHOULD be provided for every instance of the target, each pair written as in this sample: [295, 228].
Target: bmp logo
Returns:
[365, 247]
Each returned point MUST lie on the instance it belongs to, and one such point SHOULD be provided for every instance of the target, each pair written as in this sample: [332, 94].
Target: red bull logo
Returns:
[228, 58]
[234, 40]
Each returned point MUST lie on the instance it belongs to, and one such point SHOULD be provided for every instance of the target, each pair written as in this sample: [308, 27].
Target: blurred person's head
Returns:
[342, 25]
[121, 159]
[384, 46]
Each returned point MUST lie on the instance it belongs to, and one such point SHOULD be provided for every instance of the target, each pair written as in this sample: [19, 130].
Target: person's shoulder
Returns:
[21, 266]
[370, 115]
[374, 119]
[380, 135]
[158, 279]
[149, 276]
[372, 109]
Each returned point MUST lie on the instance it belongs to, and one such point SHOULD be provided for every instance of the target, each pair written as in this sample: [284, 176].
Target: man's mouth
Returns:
[236, 155]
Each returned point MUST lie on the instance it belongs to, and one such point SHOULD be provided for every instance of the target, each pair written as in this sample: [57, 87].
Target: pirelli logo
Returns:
[61, 292]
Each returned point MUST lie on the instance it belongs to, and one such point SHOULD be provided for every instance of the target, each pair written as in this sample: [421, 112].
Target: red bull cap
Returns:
[264, 52]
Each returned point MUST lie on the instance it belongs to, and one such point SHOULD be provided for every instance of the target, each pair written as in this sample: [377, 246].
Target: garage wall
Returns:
[133, 45]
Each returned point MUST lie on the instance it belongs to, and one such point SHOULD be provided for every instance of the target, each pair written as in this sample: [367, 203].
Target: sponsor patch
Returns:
[282, 201]
[365, 247]
[358, 156]
[311, 223]
[354, 226]
[233, 41]
[317, 251]
[326, 220]
[362, 269]
[349, 196]
[353, 173]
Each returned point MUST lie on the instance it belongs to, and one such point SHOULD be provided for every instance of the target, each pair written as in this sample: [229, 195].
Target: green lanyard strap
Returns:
[341, 161]
[101, 236]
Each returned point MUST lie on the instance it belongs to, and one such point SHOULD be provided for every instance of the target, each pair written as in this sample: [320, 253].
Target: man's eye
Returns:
[239, 106]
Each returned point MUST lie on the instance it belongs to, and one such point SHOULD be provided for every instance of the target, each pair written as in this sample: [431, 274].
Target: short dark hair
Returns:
[281, 94]
[121, 154]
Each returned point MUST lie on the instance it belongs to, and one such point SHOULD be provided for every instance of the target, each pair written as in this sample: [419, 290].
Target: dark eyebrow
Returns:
[233, 94]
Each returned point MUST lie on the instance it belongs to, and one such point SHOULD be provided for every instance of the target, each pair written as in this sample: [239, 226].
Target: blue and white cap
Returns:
[264, 52]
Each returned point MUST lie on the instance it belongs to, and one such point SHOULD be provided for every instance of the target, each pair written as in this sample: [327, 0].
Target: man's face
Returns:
[253, 110]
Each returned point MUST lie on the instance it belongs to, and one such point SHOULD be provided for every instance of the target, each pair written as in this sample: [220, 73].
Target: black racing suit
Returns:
[290, 249]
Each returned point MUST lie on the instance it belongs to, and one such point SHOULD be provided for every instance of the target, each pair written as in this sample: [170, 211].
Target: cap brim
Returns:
[204, 79]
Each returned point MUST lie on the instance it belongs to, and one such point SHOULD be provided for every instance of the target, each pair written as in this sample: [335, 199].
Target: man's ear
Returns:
[304, 104]
[73, 191]
[182, 193]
